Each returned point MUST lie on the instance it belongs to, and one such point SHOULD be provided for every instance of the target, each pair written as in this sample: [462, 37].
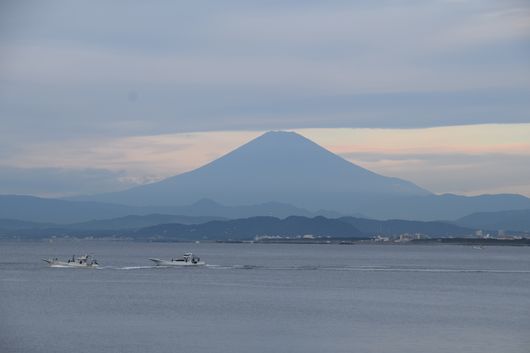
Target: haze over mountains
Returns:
[171, 228]
[288, 168]
[278, 174]
[277, 166]
[344, 227]
[511, 220]
[36, 209]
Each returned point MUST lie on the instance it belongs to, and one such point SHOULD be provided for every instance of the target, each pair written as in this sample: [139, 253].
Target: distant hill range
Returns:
[515, 220]
[36, 209]
[249, 228]
[101, 227]
[440, 207]
[394, 227]
[146, 227]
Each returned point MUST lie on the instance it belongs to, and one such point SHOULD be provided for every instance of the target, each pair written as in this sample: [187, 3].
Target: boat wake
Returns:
[361, 269]
[126, 267]
[315, 268]
[135, 268]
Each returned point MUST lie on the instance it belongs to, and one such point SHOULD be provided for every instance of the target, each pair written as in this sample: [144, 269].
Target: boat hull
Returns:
[63, 264]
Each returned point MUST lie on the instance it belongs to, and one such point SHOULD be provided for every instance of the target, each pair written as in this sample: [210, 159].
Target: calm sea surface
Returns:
[266, 298]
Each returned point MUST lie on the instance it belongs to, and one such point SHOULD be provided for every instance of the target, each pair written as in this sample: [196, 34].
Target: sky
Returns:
[97, 96]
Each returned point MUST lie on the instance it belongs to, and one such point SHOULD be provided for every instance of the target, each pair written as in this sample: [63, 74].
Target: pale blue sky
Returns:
[93, 70]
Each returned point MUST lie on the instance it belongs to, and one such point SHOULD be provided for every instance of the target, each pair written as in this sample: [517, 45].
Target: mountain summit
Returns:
[276, 166]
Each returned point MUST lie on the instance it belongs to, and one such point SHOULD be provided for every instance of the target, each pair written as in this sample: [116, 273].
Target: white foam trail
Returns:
[219, 267]
[125, 267]
[320, 268]
[363, 269]
[135, 267]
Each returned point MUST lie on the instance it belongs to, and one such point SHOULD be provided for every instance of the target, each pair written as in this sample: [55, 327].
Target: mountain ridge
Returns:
[45, 210]
[510, 220]
[239, 229]
[276, 166]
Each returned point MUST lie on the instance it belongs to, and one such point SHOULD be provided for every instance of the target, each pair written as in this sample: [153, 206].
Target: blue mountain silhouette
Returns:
[277, 166]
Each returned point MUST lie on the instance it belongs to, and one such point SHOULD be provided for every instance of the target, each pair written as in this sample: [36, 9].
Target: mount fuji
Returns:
[276, 166]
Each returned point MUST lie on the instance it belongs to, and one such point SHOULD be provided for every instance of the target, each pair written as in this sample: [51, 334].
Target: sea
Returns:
[265, 298]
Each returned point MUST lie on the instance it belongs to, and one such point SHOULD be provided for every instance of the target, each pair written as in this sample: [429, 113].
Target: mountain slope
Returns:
[277, 166]
[137, 222]
[7, 225]
[518, 220]
[436, 207]
[274, 209]
[37, 209]
[398, 226]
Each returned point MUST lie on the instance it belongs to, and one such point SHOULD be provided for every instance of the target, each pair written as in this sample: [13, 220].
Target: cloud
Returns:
[250, 66]
[470, 160]
[461, 173]
[103, 86]
[456, 173]
[137, 158]
[54, 182]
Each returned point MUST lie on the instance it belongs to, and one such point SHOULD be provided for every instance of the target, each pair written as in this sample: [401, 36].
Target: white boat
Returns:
[85, 261]
[187, 260]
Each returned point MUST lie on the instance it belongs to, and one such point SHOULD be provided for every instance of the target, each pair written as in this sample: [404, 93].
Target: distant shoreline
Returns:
[435, 241]
[324, 241]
